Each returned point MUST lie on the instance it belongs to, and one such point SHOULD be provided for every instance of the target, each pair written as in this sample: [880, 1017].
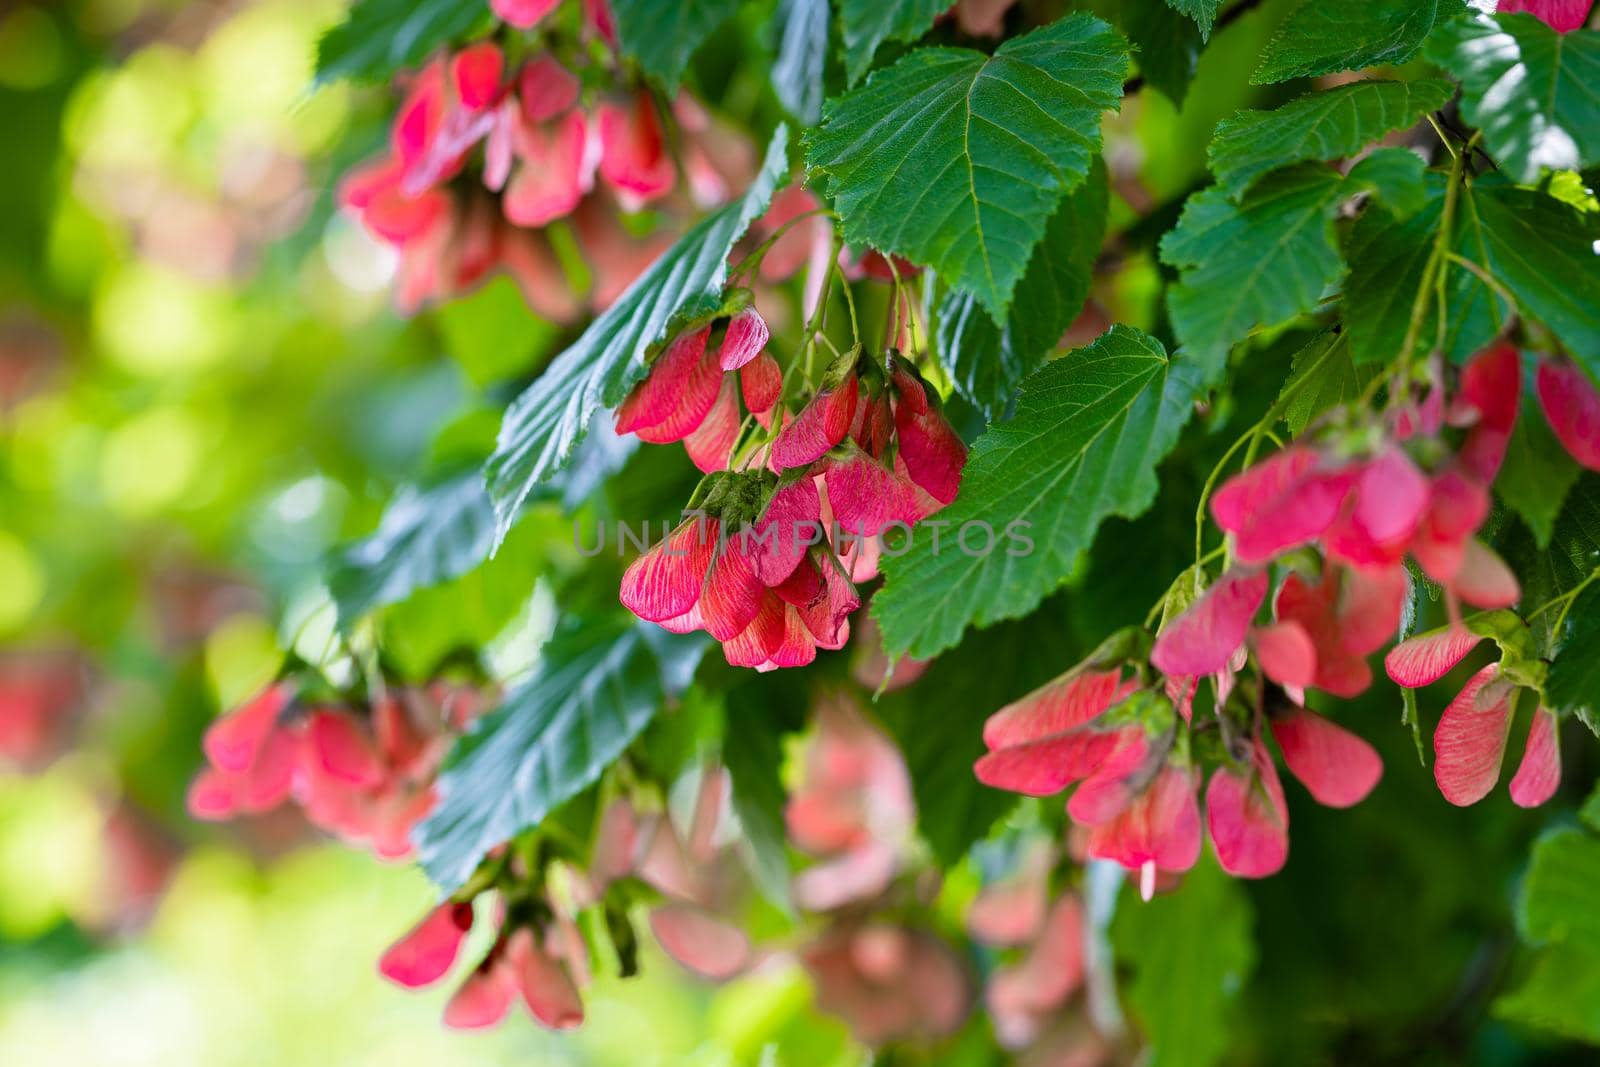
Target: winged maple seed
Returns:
[761, 565]
[363, 772]
[952, 236]
[1562, 15]
[1330, 521]
[886, 975]
[1470, 740]
[542, 155]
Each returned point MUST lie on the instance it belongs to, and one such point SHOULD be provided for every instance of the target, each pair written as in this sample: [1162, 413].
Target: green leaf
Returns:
[1575, 548]
[598, 683]
[1572, 556]
[761, 711]
[1589, 812]
[956, 160]
[453, 621]
[602, 453]
[426, 536]
[1556, 907]
[1322, 376]
[1396, 176]
[1537, 472]
[678, 740]
[381, 37]
[1259, 263]
[1544, 251]
[1557, 900]
[986, 363]
[866, 24]
[1203, 12]
[1561, 994]
[661, 37]
[1529, 89]
[1573, 684]
[1191, 951]
[1386, 265]
[1387, 262]
[546, 422]
[1325, 125]
[938, 723]
[1089, 431]
[1166, 45]
[801, 28]
[1325, 36]
[492, 333]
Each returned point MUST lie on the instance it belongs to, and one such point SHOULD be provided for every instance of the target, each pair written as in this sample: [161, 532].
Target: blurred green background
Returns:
[200, 380]
[202, 390]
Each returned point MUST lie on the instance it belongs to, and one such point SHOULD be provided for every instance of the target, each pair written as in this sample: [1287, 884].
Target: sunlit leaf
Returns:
[956, 160]
[1545, 252]
[1561, 994]
[801, 29]
[1557, 900]
[1529, 89]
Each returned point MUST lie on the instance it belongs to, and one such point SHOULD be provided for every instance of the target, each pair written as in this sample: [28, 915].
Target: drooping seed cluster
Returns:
[1319, 539]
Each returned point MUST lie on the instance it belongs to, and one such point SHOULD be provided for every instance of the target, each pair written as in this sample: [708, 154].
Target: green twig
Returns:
[1448, 147]
[752, 262]
[1252, 437]
[902, 292]
[1566, 600]
[849, 299]
[819, 314]
[1487, 278]
[1432, 283]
